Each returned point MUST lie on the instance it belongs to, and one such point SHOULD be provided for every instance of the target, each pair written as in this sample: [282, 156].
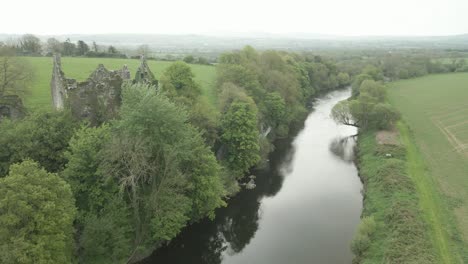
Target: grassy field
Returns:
[81, 68]
[436, 110]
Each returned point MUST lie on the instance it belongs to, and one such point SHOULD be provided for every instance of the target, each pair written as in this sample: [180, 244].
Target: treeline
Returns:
[401, 64]
[262, 95]
[30, 45]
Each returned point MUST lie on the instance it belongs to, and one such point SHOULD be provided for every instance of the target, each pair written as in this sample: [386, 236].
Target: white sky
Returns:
[334, 17]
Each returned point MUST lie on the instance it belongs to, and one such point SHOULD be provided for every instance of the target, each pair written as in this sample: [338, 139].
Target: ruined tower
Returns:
[144, 74]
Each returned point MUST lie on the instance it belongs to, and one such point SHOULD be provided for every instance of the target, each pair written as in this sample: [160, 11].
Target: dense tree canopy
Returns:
[162, 165]
[36, 216]
[240, 135]
[41, 136]
[178, 81]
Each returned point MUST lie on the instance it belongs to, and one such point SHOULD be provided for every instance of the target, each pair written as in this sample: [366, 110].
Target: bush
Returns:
[360, 243]
[361, 240]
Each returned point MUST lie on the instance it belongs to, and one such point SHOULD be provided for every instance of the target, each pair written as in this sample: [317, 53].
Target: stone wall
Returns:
[97, 99]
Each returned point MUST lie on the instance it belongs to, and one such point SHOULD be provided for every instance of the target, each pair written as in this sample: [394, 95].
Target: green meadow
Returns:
[80, 68]
[435, 108]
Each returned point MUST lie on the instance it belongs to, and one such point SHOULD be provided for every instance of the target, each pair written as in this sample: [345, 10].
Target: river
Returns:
[305, 208]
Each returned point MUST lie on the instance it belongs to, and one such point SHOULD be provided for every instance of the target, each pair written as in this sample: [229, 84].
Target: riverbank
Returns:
[392, 198]
[304, 209]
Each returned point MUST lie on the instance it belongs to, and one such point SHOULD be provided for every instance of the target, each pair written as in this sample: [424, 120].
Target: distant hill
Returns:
[215, 43]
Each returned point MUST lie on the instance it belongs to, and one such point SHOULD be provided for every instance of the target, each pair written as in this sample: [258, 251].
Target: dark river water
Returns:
[305, 208]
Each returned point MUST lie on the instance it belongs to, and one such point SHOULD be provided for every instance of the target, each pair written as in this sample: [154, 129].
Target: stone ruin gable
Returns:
[58, 83]
[11, 107]
[144, 74]
[96, 99]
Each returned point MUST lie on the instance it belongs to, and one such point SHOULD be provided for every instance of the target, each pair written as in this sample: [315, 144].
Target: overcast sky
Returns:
[333, 17]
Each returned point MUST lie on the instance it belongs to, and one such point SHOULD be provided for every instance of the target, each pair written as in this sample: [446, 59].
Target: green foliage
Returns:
[178, 81]
[240, 76]
[275, 109]
[90, 187]
[368, 109]
[36, 216]
[42, 136]
[207, 189]
[362, 239]
[164, 169]
[189, 59]
[357, 83]
[205, 117]
[104, 224]
[384, 116]
[373, 89]
[343, 79]
[276, 84]
[107, 237]
[230, 93]
[240, 135]
[374, 72]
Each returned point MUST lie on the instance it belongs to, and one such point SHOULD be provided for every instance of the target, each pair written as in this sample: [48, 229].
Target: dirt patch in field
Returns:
[387, 137]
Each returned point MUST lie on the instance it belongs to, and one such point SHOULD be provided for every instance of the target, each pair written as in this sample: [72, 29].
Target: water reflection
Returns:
[343, 147]
[234, 226]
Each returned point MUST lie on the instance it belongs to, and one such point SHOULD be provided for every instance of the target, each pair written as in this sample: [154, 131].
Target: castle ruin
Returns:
[96, 99]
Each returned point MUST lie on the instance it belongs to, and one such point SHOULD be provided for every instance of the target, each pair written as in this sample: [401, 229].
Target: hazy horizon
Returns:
[333, 18]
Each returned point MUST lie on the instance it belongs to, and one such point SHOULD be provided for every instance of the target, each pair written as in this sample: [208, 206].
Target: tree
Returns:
[357, 83]
[384, 115]
[36, 216]
[189, 59]
[42, 136]
[95, 47]
[54, 46]
[374, 72]
[368, 110]
[104, 221]
[69, 48]
[373, 89]
[242, 77]
[275, 109]
[162, 166]
[112, 50]
[84, 155]
[15, 73]
[82, 48]
[30, 44]
[343, 79]
[178, 81]
[341, 113]
[201, 60]
[240, 136]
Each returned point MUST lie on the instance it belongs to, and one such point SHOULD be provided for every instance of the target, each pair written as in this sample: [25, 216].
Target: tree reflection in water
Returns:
[234, 226]
[343, 147]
